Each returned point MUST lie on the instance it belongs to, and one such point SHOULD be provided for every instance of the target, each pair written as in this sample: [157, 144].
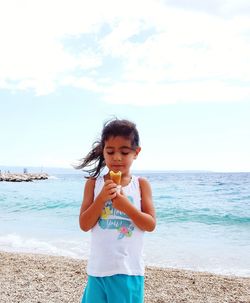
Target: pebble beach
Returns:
[36, 278]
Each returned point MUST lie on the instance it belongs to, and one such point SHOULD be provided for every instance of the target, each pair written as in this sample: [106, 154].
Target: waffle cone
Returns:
[116, 177]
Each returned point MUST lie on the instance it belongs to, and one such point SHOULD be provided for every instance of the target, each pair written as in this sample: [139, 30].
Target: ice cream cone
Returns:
[116, 177]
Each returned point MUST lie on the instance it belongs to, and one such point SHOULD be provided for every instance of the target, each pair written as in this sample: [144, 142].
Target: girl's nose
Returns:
[117, 156]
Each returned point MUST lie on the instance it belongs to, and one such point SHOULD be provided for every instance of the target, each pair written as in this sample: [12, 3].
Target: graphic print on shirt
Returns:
[122, 224]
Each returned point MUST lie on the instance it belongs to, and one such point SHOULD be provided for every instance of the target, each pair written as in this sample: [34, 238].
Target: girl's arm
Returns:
[91, 210]
[144, 218]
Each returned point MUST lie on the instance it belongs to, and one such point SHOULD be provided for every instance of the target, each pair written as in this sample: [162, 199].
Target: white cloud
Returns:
[169, 93]
[32, 54]
[81, 82]
[190, 54]
[225, 8]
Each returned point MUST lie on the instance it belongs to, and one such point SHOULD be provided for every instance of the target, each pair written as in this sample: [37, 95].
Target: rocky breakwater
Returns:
[11, 177]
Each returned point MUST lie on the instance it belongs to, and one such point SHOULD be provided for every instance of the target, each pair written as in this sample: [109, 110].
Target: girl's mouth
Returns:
[117, 167]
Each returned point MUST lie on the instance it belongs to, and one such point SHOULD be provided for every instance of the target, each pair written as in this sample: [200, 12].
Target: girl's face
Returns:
[119, 155]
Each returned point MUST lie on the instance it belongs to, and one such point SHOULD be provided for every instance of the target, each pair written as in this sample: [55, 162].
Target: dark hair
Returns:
[111, 128]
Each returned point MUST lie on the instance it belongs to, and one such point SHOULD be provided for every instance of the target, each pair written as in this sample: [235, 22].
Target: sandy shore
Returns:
[28, 278]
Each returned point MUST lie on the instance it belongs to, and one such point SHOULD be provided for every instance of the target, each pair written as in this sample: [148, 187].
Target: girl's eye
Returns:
[123, 153]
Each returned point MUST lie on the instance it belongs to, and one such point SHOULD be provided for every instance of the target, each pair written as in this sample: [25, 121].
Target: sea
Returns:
[203, 220]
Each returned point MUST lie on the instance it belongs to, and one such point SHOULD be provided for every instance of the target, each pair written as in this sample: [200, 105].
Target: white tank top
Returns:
[116, 242]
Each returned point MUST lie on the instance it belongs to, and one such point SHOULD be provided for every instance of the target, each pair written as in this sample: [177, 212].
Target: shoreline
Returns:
[26, 277]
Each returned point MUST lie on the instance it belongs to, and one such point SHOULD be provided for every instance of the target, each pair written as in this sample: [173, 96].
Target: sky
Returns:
[179, 69]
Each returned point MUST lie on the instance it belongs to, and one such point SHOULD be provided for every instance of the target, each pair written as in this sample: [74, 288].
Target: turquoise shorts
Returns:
[114, 289]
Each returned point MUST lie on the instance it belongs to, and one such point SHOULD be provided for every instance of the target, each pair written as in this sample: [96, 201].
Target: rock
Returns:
[9, 177]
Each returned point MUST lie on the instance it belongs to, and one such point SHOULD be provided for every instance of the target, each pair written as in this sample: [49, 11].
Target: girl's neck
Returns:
[126, 180]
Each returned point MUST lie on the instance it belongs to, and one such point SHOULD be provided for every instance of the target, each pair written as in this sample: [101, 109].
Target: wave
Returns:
[177, 215]
[16, 243]
[29, 204]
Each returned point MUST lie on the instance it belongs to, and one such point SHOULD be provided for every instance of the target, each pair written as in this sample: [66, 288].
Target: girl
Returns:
[117, 219]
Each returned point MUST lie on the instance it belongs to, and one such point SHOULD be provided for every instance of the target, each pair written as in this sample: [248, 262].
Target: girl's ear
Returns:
[137, 151]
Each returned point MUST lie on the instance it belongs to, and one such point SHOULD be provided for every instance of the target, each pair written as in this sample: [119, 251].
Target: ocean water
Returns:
[203, 220]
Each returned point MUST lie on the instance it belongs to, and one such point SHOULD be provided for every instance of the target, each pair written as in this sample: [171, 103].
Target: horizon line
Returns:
[134, 170]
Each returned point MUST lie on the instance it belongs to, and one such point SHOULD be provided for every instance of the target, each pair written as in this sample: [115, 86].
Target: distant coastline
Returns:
[39, 170]
[25, 177]
[69, 170]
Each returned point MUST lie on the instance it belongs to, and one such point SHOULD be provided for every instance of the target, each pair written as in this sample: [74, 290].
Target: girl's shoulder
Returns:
[144, 183]
[93, 180]
[94, 184]
[90, 183]
[143, 180]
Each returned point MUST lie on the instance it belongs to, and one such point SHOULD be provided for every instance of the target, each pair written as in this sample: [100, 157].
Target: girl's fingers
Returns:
[111, 186]
[112, 196]
[112, 191]
[108, 182]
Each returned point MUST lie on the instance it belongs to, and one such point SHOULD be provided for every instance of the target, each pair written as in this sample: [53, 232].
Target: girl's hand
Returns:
[108, 191]
[121, 202]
